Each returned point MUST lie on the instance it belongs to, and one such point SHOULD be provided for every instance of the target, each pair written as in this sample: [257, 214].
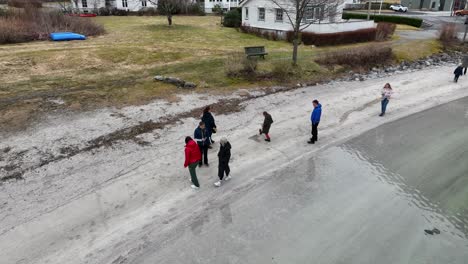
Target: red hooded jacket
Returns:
[192, 153]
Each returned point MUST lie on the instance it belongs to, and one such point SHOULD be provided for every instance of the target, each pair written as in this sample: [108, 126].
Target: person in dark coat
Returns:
[209, 121]
[192, 158]
[224, 155]
[458, 72]
[203, 141]
[465, 61]
[266, 126]
[315, 119]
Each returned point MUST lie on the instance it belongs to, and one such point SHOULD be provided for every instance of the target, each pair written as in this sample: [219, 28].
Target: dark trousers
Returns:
[456, 77]
[384, 105]
[193, 174]
[464, 71]
[314, 132]
[204, 152]
[223, 167]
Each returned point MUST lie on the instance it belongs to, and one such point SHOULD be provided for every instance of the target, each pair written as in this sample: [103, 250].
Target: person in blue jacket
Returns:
[203, 141]
[315, 119]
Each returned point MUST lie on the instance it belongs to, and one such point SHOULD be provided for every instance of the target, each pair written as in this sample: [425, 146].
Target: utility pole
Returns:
[368, 10]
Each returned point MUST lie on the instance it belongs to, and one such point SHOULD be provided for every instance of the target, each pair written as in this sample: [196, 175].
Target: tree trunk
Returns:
[169, 20]
[296, 41]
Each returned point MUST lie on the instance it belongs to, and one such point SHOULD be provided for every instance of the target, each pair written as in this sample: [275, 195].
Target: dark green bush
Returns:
[233, 18]
[412, 21]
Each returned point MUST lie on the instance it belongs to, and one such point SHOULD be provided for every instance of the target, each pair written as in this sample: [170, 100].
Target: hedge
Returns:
[328, 39]
[415, 22]
[233, 18]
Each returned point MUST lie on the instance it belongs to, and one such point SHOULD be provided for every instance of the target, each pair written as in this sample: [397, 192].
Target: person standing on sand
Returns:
[266, 126]
[458, 72]
[224, 155]
[315, 119]
[192, 158]
[386, 95]
[210, 124]
[465, 63]
[203, 142]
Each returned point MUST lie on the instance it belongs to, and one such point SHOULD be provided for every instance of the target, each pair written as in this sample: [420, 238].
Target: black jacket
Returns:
[224, 153]
[209, 121]
[458, 70]
[267, 123]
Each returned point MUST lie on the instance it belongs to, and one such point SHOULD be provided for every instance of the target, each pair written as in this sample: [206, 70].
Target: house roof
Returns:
[243, 2]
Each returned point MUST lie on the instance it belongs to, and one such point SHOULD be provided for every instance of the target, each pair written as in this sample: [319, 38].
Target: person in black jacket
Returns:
[209, 121]
[224, 155]
[458, 72]
[266, 126]
[201, 137]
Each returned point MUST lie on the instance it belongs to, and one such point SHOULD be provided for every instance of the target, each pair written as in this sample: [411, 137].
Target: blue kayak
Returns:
[64, 36]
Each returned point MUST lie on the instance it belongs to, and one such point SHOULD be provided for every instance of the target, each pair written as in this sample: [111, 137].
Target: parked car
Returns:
[462, 12]
[399, 8]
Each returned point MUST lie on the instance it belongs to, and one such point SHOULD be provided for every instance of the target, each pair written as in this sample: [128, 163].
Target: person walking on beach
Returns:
[386, 95]
[210, 124]
[458, 72]
[266, 126]
[224, 155]
[315, 119]
[465, 63]
[203, 142]
[192, 158]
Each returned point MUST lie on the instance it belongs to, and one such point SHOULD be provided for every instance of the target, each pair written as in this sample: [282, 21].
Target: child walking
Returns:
[224, 155]
[266, 126]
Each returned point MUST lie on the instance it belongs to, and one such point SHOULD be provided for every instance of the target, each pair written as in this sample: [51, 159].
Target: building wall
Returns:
[225, 4]
[132, 5]
[431, 5]
[328, 25]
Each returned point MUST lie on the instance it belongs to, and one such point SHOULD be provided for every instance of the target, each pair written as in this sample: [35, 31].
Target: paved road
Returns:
[365, 201]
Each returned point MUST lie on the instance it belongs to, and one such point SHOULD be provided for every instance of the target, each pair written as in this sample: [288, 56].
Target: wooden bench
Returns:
[255, 51]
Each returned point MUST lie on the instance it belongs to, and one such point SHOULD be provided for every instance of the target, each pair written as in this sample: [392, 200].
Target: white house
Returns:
[224, 4]
[131, 5]
[268, 16]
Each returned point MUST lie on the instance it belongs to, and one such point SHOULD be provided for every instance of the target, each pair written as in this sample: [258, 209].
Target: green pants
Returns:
[193, 173]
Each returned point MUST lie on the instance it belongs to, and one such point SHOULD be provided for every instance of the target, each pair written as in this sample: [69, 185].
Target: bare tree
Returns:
[301, 14]
[168, 7]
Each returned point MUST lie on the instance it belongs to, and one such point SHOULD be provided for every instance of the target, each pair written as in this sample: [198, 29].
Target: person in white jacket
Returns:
[387, 92]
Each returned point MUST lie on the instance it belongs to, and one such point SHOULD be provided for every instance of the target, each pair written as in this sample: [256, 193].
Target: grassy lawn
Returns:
[117, 69]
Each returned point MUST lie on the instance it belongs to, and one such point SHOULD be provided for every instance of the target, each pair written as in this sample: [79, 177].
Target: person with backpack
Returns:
[315, 119]
[210, 124]
[224, 155]
[458, 72]
[192, 158]
[266, 126]
[203, 141]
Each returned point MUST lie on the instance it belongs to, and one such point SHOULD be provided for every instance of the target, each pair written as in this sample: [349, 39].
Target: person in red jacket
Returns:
[192, 158]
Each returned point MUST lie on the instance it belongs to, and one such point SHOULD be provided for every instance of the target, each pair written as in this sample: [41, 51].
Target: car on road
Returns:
[462, 12]
[399, 8]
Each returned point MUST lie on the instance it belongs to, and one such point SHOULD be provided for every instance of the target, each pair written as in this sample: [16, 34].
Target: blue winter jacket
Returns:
[199, 134]
[315, 117]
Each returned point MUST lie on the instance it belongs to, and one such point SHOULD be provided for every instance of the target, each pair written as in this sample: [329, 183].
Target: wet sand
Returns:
[365, 201]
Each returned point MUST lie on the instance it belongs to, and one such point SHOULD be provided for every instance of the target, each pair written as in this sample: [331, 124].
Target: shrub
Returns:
[34, 24]
[282, 70]
[25, 3]
[362, 57]
[385, 31]
[271, 35]
[361, 35]
[448, 32]
[239, 66]
[412, 21]
[233, 18]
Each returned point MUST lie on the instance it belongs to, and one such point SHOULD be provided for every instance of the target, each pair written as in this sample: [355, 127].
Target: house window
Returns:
[143, 3]
[84, 3]
[246, 13]
[124, 3]
[279, 15]
[261, 14]
[313, 13]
